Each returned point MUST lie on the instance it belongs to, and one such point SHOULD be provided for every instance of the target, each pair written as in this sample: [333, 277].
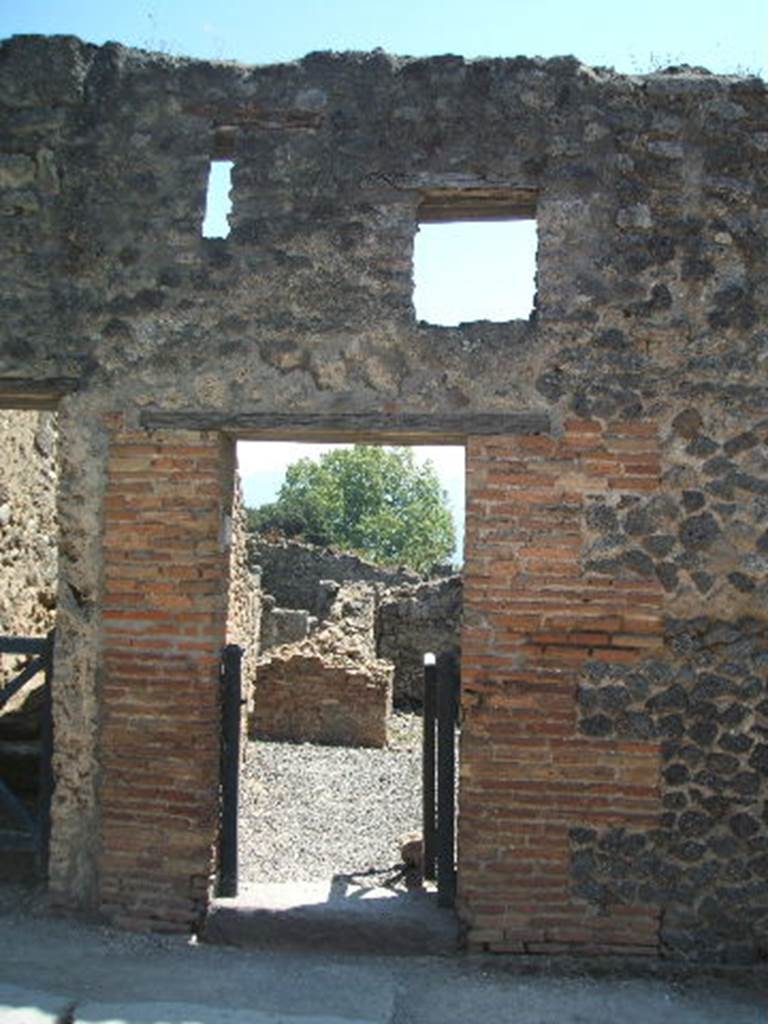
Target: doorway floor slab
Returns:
[335, 915]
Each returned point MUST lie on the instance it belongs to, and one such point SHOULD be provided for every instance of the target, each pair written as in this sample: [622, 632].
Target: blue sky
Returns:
[726, 36]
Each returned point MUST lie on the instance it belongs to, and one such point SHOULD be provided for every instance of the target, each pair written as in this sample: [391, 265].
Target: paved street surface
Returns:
[50, 967]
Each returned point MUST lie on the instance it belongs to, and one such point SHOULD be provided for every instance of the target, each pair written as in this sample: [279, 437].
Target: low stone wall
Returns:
[305, 696]
[330, 688]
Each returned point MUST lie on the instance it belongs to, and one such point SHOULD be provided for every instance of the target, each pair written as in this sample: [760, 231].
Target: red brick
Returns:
[165, 603]
[527, 774]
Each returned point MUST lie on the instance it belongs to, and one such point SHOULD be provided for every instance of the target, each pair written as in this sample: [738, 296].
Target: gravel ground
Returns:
[308, 812]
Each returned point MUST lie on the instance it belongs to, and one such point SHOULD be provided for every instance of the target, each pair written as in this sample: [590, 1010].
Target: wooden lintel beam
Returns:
[17, 393]
[444, 205]
[369, 427]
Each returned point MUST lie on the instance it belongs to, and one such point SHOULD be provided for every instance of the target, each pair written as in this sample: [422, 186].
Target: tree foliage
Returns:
[375, 501]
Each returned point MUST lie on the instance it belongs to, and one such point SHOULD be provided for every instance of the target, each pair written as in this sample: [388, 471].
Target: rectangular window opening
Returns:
[475, 256]
[218, 202]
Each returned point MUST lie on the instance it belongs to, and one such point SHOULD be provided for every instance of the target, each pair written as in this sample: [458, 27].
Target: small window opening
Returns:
[218, 204]
[475, 257]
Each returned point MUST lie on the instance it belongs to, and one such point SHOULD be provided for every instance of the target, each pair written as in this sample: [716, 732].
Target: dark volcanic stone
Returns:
[588, 697]
[718, 466]
[703, 732]
[758, 759]
[582, 835]
[733, 715]
[703, 581]
[709, 687]
[753, 484]
[659, 544]
[602, 518]
[722, 488]
[741, 443]
[688, 423]
[746, 783]
[639, 521]
[693, 500]
[597, 725]
[637, 724]
[583, 863]
[725, 846]
[689, 851]
[699, 531]
[672, 726]
[744, 825]
[674, 696]
[736, 743]
[668, 575]
[741, 582]
[613, 698]
[704, 709]
[702, 447]
[723, 764]
[638, 562]
[676, 774]
[692, 823]
[675, 801]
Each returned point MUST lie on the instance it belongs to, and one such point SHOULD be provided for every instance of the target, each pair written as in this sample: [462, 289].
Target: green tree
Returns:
[372, 500]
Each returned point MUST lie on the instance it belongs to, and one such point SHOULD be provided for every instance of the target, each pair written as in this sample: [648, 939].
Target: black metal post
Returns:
[45, 777]
[428, 767]
[447, 692]
[230, 769]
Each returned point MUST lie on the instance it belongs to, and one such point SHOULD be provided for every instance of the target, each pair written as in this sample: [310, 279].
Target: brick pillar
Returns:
[533, 615]
[164, 613]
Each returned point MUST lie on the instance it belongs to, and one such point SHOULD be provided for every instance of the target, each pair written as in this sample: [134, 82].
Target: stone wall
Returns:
[413, 614]
[282, 625]
[293, 572]
[28, 530]
[616, 442]
[413, 620]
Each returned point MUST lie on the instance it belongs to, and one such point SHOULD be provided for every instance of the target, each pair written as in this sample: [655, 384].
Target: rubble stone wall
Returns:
[282, 625]
[413, 614]
[616, 440]
[28, 530]
[414, 620]
[292, 572]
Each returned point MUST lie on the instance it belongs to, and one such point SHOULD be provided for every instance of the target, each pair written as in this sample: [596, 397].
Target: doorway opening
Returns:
[28, 591]
[331, 814]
